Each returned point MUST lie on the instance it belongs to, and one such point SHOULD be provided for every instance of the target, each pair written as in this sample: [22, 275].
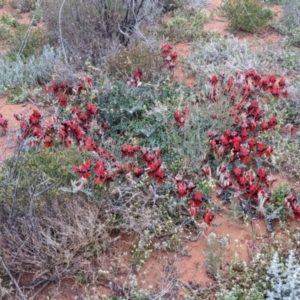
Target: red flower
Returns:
[54, 88]
[253, 189]
[83, 116]
[166, 49]
[262, 175]
[272, 78]
[244, 155]
[89, 144]
[137, 171]
[76, 110]
[172, 56]
[272, 122]
[264, 126]
[62, 100]
[129, 150]
[99, 177]
[62, 133]
[84, 170]
[268, 151]
[182, 189]
[275, 91]
[260, 149]
[252, 125]
[252, 143]
[296, 211]
[208, 216]
[154, 165]
[242, 182]
[197, 198]
[206, 170]
[214, 80]
[159, 175]
[224, 140]
[244, 134]
[264, 82]
[35, 117]
[149, 158]
[37, 132]
[91, 109]
[237, 172]
[48, 141]
[179, 118]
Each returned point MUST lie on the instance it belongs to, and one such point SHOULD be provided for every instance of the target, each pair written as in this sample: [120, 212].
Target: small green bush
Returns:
[246, 15]
[127, 60]
[183, 26]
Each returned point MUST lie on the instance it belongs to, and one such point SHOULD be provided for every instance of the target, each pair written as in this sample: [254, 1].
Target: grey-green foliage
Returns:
[284, 278]
[33, 70]
[225, 55]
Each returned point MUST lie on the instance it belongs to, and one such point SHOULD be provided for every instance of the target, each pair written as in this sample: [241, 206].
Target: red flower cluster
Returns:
[242, 142]
[136, 79]
[170, 55]
[208, 217]
[103, 175]
[32, 126]
[247, 82]
[3, 124]
[195, 203]
[62, 89]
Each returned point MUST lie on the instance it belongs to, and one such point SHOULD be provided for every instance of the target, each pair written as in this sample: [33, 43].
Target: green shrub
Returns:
[182, 26]
[246, 15]
[127, 60]
[48, 171]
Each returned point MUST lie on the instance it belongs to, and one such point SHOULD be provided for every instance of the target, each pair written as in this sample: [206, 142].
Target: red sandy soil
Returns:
[190, 268]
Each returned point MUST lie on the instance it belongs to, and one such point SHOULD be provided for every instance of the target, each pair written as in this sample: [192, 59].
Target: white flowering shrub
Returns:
[284, 278]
